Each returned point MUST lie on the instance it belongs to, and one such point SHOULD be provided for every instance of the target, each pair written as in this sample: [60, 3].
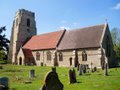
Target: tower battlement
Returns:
[26, 12]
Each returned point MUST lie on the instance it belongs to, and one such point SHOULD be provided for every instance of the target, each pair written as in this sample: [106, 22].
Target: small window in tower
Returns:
[28, 22]
[28, 30]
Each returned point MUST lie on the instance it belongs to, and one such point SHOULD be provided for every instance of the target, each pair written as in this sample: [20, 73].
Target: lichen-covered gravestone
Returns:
[32, 73]
[72, 76]
[53, 69]
[106, 70]
[1, 67]
[80, 69]
[4, 83]
[84, 68]
[52, 82]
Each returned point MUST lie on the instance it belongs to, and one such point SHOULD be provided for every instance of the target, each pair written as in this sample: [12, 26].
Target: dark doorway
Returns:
[70, 61]
[20, 61]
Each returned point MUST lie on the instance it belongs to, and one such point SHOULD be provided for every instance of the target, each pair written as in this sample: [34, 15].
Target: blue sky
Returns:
[51, 15]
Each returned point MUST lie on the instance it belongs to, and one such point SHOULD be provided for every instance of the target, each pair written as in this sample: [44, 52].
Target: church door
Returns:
[20, 61]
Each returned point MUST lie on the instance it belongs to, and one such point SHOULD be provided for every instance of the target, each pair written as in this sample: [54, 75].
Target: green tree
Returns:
[115, 33]
[4, 44]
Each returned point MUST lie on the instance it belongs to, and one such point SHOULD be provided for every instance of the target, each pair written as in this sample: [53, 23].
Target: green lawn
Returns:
[90, 81]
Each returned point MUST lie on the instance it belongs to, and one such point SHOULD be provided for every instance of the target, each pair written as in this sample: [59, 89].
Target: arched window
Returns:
[28, 22]
[48, 55]
[70, 61]
[37, 55]
[108, 47]
[60, 56]
[84, 56]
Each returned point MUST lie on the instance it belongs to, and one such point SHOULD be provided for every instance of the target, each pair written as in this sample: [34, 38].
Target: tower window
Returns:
[48, 55]
[28, 30]
[37, 55]
[28, 22]
[84, 56]
[60, 56]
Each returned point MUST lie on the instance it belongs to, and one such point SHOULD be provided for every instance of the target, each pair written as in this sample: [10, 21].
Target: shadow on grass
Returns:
[78, 82]
[13, 70]
[87, 74]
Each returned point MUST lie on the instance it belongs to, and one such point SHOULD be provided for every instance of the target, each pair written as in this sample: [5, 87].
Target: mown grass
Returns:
[17, 75]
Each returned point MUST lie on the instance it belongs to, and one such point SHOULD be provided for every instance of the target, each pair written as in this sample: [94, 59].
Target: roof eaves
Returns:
[103, 33]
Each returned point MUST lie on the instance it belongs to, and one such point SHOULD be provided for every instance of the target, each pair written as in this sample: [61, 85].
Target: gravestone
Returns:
[72, 76]
[106, 70]
[4, 83]
[84, 68]
[53, 69]
[95, 69]
[32, 73]
[52, 82]
[80, 69]
[1, 67]
[41, 63]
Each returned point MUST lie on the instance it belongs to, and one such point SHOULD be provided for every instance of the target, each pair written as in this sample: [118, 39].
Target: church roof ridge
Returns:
[88, 27]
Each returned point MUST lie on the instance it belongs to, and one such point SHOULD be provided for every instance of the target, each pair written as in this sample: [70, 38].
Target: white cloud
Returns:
[117, 7]
[63, 27]
[63, 21]
[75, 24]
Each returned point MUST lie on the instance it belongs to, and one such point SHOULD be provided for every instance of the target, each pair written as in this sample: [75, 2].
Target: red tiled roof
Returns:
[44, 41]
[27, 53]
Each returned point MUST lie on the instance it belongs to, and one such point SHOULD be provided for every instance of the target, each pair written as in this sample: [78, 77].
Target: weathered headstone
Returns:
[53, 69]
[106, 69]
[84, 68]
[41, 63]
[80, 69]
[95, 69]
[91, 67]
[4, 83]
[52, 82]
[32, 73]
[72, 76]
[1, 67]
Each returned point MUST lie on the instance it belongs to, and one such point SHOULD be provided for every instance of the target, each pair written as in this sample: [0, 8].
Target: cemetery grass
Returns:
[18, 75]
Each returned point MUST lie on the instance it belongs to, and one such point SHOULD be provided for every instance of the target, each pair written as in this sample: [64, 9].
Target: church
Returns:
[90, 45]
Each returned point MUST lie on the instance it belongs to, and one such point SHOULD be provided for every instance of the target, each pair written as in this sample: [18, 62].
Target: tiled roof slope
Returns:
[82, 38]
[27, 53]
[44, 41]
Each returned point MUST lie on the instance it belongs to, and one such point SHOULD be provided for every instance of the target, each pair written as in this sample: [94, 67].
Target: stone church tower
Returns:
[24, 26]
